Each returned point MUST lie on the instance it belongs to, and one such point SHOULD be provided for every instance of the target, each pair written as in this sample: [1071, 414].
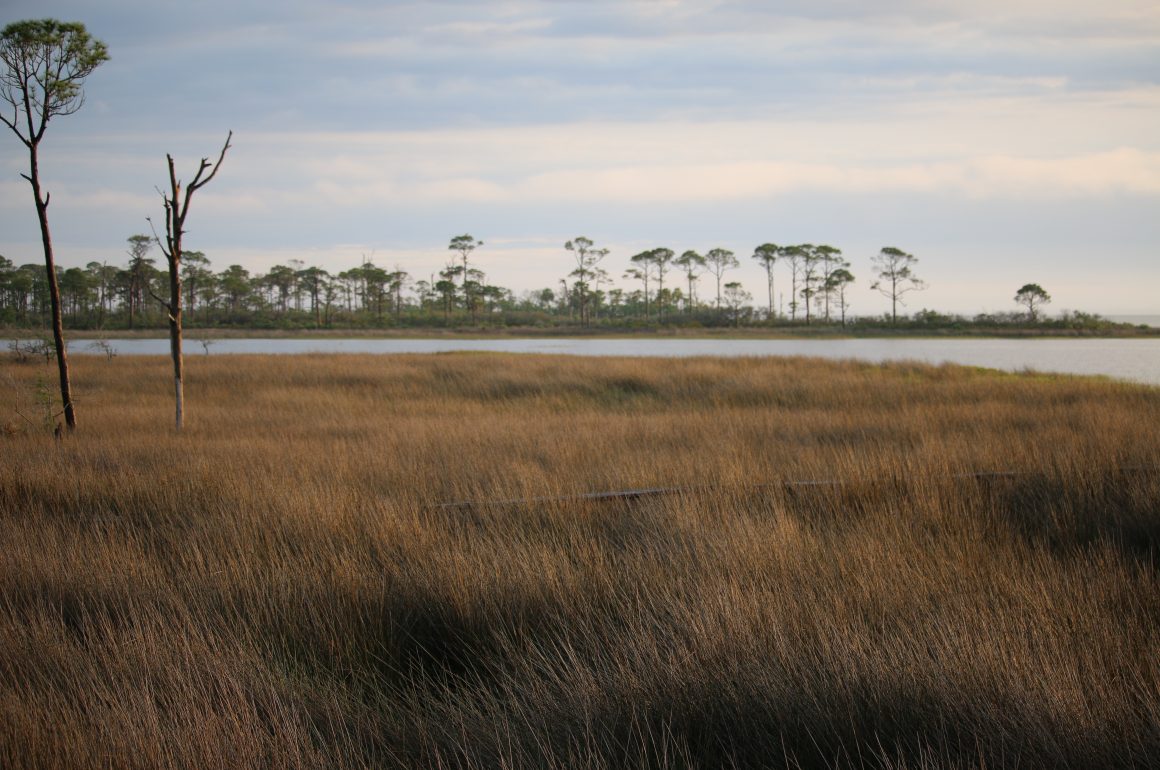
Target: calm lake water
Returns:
[1127, 359]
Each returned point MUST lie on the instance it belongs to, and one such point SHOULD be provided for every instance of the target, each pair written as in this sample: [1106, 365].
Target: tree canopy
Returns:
[45, 63]
[1032, 296]
[895, 270]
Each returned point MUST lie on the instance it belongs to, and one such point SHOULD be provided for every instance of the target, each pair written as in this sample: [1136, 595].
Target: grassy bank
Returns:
[283, 586]
[928, 325]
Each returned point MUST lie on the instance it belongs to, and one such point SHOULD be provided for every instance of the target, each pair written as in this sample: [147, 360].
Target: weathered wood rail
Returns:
[630, 495]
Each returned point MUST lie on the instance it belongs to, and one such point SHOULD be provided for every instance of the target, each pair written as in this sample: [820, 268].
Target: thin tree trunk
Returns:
[70, 417]
[793, 295]
[583, 284]
[175, 332]
[826, 290]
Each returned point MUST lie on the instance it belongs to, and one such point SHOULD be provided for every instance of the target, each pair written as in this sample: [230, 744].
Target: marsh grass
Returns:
[282, 585]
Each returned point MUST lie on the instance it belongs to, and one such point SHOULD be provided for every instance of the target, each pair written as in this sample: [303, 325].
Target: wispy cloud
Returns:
[360, 122]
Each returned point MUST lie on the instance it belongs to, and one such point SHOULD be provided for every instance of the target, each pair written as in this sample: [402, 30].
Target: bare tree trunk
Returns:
[175, 332]
[70, 417]
[176, 210]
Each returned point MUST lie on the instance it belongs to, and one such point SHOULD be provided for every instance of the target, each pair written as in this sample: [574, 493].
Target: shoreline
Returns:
[1121, 331]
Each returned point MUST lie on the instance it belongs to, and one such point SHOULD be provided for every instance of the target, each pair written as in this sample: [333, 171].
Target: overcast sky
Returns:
[1015, 142]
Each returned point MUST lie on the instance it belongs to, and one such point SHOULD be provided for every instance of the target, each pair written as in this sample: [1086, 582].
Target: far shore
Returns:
[604, 332]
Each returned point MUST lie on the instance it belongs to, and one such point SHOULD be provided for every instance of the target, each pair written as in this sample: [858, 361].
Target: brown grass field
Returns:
[284, 586]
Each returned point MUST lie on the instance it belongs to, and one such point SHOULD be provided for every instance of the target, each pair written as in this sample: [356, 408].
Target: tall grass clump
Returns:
[396, 561]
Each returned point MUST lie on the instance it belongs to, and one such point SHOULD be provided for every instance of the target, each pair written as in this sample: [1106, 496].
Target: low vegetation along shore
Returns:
[286, 585]
[30, 338]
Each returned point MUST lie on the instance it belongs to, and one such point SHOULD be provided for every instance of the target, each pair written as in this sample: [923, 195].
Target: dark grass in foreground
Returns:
[280, 587]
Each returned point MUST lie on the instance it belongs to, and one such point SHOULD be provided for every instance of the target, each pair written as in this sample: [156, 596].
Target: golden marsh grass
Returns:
[282, 585]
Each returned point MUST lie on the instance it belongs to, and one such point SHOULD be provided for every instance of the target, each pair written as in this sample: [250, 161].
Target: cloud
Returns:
[1123, 170]
[959, 149]
[1120, 171]
[989, 146]
[360, 121]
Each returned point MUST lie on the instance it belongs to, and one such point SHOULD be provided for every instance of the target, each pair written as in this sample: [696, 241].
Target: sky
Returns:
[999, 142]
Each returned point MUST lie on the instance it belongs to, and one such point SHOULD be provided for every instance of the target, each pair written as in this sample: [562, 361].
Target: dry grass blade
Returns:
[282, 586]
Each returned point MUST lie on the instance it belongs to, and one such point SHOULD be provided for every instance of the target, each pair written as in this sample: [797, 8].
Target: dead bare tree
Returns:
[176, 210]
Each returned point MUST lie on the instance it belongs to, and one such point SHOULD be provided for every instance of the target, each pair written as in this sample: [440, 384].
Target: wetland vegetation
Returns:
[284, 584]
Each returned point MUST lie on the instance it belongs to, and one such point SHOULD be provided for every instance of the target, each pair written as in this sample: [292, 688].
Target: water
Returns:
[1136, 360]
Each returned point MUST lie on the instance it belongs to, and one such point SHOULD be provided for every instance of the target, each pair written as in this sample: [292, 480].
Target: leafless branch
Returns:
[198, 182]
[156, 237]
